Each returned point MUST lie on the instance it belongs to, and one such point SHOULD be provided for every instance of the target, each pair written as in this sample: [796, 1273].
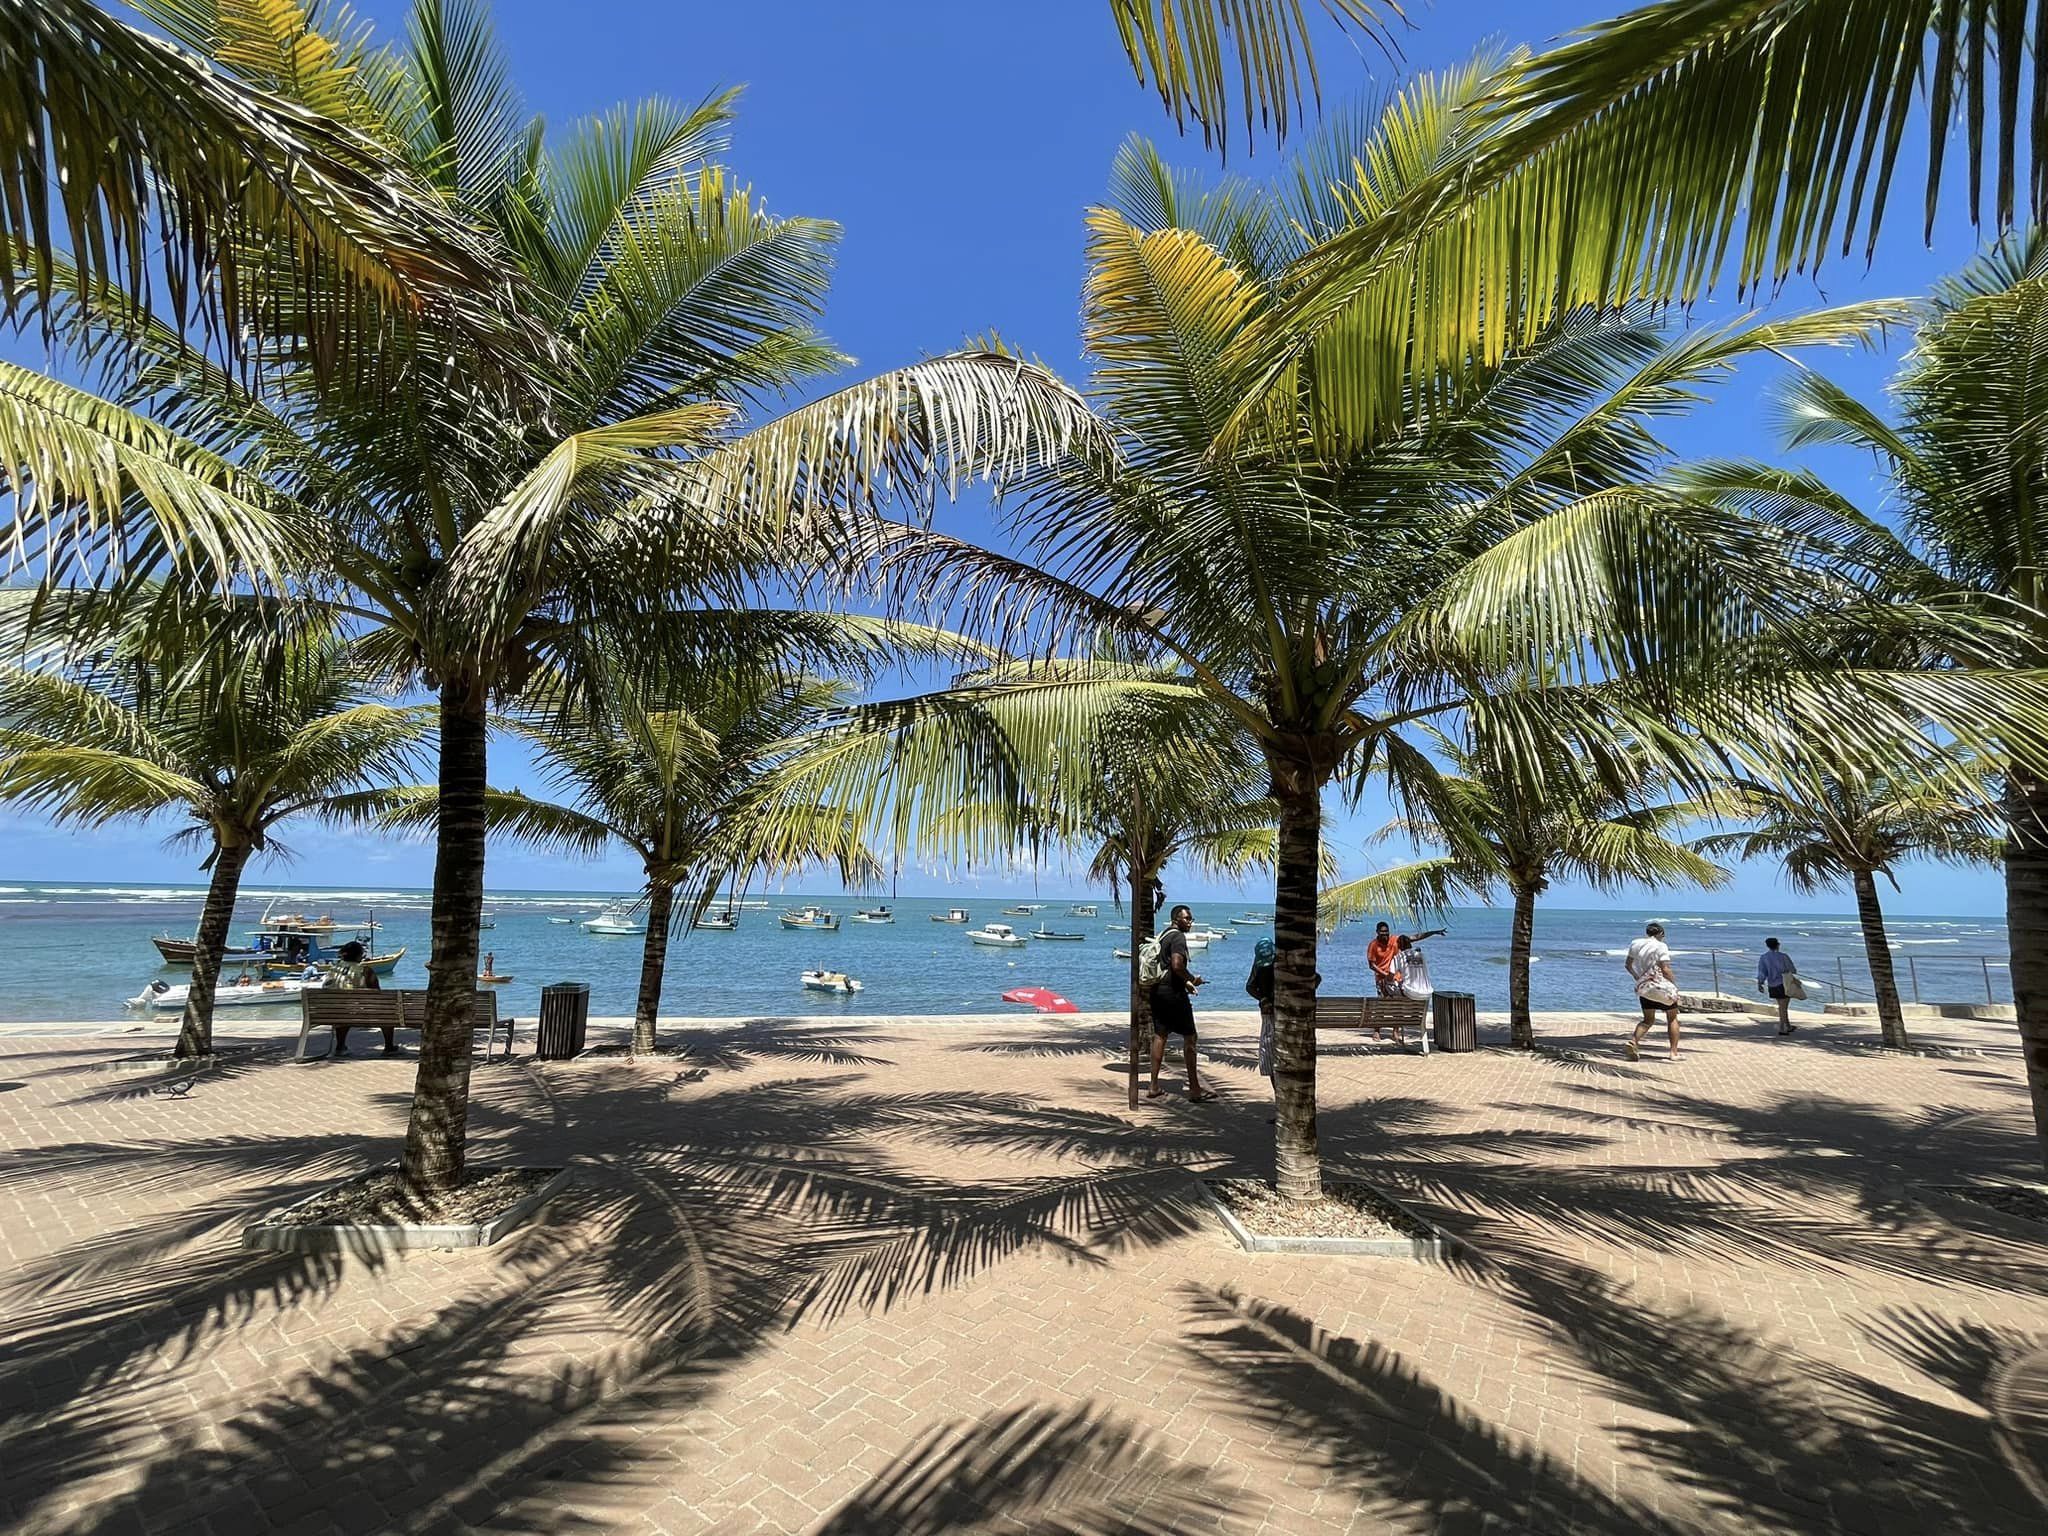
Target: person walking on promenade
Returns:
[1173, 1009]
[1776, 977]
[1649, 964]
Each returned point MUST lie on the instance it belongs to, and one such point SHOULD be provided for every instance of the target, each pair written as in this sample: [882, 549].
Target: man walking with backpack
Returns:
[1163, 971]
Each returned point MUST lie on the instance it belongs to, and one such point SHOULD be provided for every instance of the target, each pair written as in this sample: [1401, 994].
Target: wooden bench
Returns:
[1340, 1011]
[387, 1010]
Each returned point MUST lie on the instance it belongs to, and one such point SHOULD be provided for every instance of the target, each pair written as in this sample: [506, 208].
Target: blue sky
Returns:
[958, 145]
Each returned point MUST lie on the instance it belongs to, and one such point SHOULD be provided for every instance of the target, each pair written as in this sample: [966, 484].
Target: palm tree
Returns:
[1966, 462]
[1499, 555]
[487, 529]
[1502, 831]
[1829, 831]
[1694, 142]
[253, 720]
[178, 183]
[687, 772]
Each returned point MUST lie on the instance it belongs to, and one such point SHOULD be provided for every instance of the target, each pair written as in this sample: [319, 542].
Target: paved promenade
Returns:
[905, 1278]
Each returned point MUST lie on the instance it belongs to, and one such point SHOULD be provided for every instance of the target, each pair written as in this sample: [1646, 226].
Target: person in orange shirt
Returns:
[1383, 951]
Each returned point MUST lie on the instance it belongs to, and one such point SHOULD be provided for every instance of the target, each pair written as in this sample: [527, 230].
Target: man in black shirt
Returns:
[1172, 1010]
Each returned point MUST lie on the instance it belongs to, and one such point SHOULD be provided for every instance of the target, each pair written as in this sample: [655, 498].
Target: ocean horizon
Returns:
[79, 949]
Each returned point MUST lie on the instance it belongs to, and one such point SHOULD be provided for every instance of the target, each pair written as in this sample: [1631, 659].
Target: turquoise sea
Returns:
[74, 952]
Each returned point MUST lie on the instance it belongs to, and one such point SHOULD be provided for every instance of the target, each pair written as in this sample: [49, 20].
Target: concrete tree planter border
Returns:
[143, 1066]
[1435, 1245]
[275, 1234]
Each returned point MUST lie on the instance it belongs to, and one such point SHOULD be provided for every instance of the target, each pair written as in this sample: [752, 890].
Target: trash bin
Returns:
[564, 1016]
[1454, 1021]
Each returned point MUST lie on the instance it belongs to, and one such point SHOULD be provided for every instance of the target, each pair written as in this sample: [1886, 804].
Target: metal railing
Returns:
[1843, 991]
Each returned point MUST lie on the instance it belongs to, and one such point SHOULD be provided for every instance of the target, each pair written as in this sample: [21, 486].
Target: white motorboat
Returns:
[1121, 954]
[1084, 909]
[1197, 941]
[1212, 934]
[811, 917]
[718, 922]
[999, 936]
[244, 991]
[616, 918]
[1023, 909]
[875, 915]
[1253, 920]
[563, 922]
[1044, 932]
[951, 915]
[830, 981]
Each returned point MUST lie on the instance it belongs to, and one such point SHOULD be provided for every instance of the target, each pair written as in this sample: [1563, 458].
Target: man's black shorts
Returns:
[1172, 1013]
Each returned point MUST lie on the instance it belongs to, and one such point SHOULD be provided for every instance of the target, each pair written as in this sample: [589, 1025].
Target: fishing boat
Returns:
[616, 918]
[951, 915]
[1022, 909]
[998, 936]
[1196, 941]
[487, 920]
[830, 981]
[245, 991]
[562, 922]
[491, 979]
[811, 917]
[875, 915]
[718, 922]
[1043, 932]
[177, 951]
[278, 968]
[1253, 920]
[1120, 954]
[1084, 909]
[1213, 935]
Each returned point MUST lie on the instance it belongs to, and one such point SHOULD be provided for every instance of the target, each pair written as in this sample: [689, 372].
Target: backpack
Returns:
[1150, 971]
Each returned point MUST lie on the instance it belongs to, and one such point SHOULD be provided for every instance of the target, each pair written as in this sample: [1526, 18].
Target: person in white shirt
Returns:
[1772, 967]
[1649, 965]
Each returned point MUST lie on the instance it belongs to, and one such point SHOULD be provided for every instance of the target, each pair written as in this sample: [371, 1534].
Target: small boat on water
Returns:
[1042, 998]
[616, 918]
[245, 991]
[1253, 920]
[1197, 941]
[875, 915]
[1022, 909]
[951, 915]
[278, 969]
[1120, 954]
[491, 979]
[562, 922]
[1213, 935]
[488, 920]
[1084, 909]
[999, 936]
[830, 981]
[292, 941]
[1043, 932]
[811, 917]
[718, 922]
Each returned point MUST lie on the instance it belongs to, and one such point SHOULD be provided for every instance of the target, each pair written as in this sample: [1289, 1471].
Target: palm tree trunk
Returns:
[195, 1030]
[1884, 984]
[653, 961]
[2026, 916]
[1297, 1163]
[440, 1099]
[1521, 941]
[1142, 917]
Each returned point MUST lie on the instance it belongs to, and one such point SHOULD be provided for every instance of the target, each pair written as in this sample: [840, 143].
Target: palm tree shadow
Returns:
[1372, 1424]
[1079, 1471]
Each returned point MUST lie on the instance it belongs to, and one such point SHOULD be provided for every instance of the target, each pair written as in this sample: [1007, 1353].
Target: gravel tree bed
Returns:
[381, 1198]
[2013, 1199]
[1346, 1210]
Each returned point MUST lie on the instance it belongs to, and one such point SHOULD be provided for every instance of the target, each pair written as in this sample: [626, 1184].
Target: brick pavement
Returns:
[894, 1278]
